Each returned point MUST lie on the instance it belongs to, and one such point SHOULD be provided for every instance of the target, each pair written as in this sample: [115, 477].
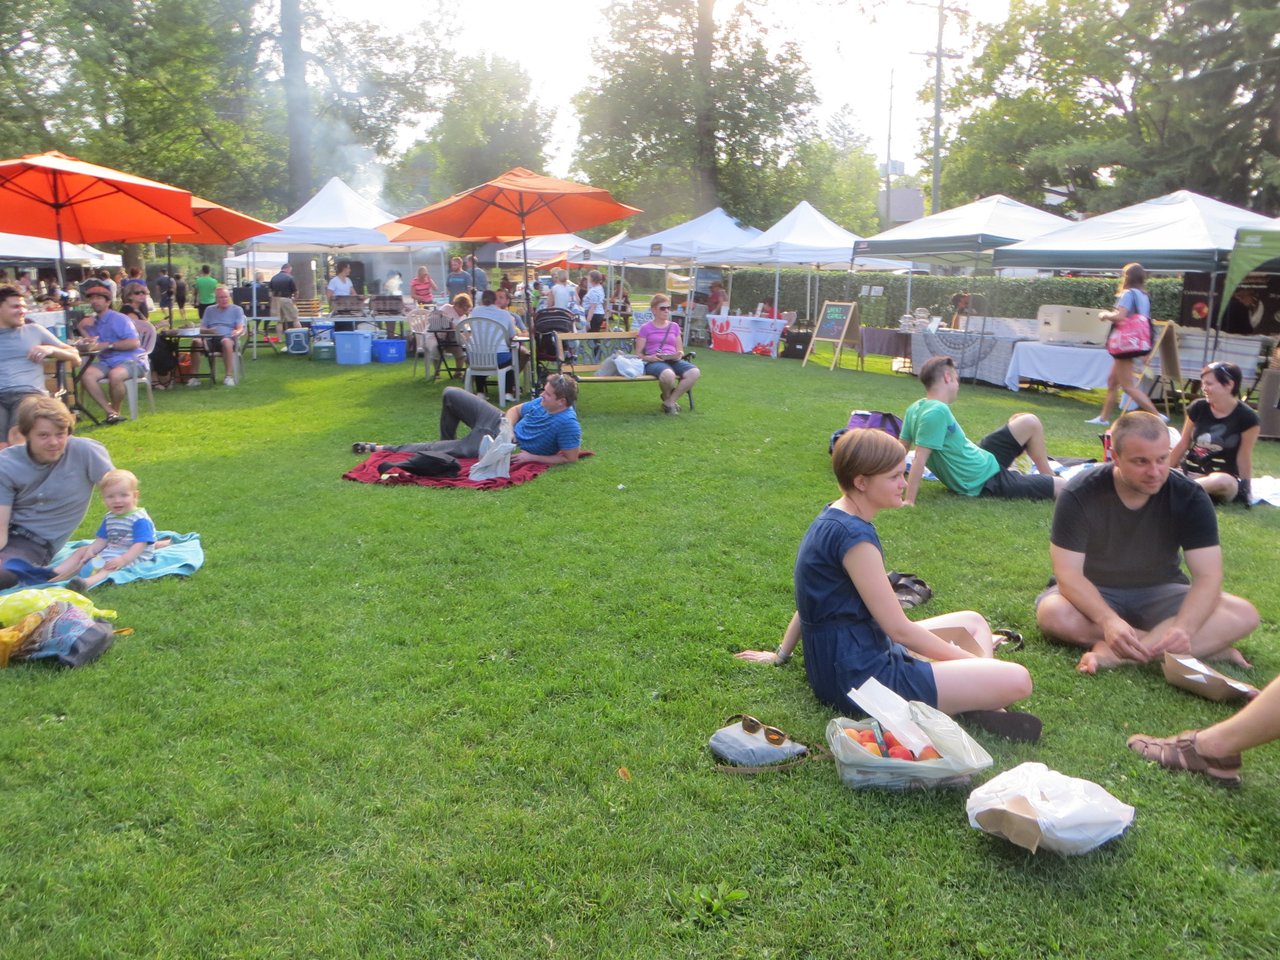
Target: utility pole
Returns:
[938, 54]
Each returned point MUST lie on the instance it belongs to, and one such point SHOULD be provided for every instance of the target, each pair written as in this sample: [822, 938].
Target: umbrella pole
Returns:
[172, 286]
[777, 284]
[528, 319]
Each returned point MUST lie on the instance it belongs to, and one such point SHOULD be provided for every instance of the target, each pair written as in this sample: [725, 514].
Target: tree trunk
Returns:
[706, 181]
[298, 106]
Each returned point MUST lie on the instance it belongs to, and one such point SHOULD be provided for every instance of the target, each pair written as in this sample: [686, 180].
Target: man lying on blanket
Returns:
[546, 428]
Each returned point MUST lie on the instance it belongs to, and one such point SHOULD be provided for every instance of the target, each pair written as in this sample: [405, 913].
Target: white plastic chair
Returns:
[419, 325]
[488, 339]
[147, 337]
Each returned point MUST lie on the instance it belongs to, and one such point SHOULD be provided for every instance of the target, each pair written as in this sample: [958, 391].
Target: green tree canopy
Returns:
[1114, 102]
[488, 124]
[676, 128]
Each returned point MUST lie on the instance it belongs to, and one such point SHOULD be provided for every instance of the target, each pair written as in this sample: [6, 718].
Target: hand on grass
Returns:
[757, 656]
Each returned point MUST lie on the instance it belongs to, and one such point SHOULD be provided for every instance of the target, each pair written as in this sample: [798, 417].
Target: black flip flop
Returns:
[1010, 724]
[1006, 639]
[910, 590]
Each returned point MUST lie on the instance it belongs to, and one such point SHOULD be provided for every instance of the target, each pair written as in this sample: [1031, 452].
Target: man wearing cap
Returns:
[24, 347]
[122, 355]
[223, 324]
[283, 289]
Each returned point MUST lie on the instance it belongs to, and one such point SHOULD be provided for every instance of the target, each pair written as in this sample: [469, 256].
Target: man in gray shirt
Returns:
[24, 347]
[45, 485]
[224, 324]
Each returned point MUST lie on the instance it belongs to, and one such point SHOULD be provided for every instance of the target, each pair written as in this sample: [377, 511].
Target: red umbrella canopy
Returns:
[53, 195]
[216, 224]
[520, 202]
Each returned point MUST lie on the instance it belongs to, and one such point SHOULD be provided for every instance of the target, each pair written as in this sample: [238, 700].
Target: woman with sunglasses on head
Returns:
[660, 344]
[1131, 298]
[1216, 446]
[853, 626]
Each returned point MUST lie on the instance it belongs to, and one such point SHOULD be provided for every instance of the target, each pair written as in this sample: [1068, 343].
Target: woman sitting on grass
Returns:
[853, 625]
[1216, 446]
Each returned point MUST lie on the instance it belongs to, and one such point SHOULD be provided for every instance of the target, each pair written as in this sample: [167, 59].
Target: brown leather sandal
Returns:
[1180, 753]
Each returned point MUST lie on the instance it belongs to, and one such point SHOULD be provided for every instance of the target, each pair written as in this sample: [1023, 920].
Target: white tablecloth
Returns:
[745, 334]
[1065, 364]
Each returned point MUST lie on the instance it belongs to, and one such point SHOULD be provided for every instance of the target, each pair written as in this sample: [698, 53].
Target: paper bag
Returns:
[1188, 673]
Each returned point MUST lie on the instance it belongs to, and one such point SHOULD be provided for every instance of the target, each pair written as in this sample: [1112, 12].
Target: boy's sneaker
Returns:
[228, 381]
[193, 383]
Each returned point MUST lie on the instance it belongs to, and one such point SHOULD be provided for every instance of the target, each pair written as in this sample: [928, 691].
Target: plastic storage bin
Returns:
[388, 351]
[354, 347]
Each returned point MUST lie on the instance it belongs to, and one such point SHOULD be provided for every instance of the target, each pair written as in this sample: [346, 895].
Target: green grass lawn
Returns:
[390, 722]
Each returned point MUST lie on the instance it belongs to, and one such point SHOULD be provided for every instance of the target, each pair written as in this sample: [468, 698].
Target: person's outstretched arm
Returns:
[790, 640]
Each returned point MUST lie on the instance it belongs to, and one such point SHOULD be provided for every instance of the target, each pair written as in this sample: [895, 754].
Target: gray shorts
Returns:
[1140, 607]
[1007, 483]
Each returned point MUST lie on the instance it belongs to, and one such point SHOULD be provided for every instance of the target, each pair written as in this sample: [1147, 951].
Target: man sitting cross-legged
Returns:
[546, 428]
[1119, 590]
[975, 470]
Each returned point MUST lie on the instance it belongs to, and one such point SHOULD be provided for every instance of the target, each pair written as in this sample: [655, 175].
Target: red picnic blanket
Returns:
[381, 468]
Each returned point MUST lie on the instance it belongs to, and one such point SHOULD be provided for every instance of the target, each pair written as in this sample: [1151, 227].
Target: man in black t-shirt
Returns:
[1120, 591]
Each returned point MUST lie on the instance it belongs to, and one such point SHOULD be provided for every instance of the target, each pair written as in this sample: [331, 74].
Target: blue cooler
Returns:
[321, 331]
[354, 347]
[297, 341]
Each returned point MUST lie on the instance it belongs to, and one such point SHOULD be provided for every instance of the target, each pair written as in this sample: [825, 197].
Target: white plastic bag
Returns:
[629, 366]
[495, 455]
[911, 722]
[1033, 806]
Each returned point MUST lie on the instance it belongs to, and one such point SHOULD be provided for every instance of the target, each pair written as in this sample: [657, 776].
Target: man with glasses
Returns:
[546, 428]
[122, 355]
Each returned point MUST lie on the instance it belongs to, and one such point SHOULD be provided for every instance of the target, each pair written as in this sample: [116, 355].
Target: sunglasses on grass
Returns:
[751, 725]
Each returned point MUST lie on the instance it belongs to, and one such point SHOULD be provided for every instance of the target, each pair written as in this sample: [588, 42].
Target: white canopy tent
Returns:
[337, 220]
[543, 248]
[1177, 232]
[24, 249]
[962, 236]
[687, 243]
[803, 237]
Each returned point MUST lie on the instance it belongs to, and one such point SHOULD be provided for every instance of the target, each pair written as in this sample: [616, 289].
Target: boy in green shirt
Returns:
[975, 470]
[206, 287]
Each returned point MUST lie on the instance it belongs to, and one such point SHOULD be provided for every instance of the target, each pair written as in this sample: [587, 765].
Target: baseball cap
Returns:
[95, 286]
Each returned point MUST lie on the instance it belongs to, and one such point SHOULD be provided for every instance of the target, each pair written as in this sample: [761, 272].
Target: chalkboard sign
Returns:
[833, 324]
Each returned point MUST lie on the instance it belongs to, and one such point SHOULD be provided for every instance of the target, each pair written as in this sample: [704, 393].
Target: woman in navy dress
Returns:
[851, 622]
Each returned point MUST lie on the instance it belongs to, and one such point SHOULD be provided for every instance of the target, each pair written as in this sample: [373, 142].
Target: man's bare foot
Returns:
[1101, 657]
[1232, 655]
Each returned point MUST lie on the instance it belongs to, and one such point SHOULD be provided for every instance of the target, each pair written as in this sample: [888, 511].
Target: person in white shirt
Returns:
[341, 285]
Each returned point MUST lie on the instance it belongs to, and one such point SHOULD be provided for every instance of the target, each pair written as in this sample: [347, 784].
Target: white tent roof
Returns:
[686, 243]
[962, 235]
[802, 237]
[542, 247]
[15, 246]
[1179, 231]
[335, 219]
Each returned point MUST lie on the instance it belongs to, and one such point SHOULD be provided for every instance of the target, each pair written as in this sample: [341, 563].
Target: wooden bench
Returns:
[568, 345]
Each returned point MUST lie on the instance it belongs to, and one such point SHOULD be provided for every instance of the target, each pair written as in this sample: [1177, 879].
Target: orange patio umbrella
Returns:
[57, 196]
[214, 224]
[517, 203]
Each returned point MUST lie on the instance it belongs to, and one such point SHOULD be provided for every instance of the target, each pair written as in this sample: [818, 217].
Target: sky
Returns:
[852, 56]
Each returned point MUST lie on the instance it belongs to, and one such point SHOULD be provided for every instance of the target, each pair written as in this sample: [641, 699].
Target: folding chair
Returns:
[448, 342]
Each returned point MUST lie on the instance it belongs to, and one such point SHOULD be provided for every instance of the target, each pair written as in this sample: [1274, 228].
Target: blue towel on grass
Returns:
[181, 558]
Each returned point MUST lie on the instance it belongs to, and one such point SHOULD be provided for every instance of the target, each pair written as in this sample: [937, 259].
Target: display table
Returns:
[1065, 364]
[978, 356]
[758, 335]
[883, 342]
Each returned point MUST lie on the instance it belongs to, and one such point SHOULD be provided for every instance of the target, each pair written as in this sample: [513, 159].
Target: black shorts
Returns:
[1010, 484]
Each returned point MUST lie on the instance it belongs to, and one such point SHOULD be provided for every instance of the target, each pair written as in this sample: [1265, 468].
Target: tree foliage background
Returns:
[678, 128]
[1109, 103]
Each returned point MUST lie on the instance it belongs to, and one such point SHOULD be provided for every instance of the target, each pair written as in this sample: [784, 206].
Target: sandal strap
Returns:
[1181, 753]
